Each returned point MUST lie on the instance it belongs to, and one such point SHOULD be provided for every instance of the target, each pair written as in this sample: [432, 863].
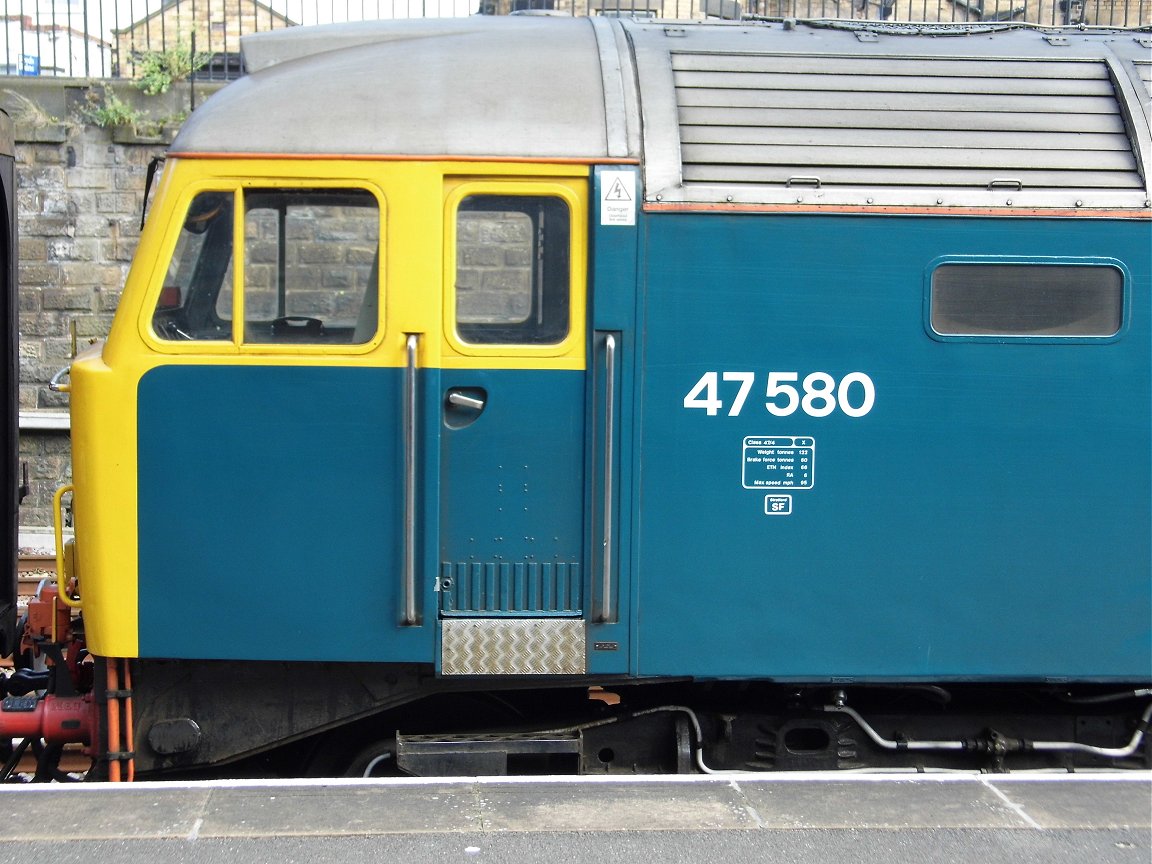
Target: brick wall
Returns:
[79, 194]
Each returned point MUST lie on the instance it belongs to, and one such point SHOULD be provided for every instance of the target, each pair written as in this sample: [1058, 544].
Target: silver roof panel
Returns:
[474, 87]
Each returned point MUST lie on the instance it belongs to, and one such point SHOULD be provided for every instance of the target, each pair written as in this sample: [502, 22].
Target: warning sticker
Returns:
[617, 198]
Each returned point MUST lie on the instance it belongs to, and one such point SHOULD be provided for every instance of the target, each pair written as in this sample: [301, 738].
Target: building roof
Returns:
[172, 6]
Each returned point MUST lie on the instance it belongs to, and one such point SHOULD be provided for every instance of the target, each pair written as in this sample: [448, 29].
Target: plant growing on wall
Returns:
[159, 70]
[107, 110]
[129, 125]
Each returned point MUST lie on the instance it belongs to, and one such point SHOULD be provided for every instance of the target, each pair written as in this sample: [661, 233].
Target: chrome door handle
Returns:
[460, 400]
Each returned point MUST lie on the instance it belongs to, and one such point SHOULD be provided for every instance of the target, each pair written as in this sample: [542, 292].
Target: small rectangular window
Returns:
[1027, 299]
[512, 269]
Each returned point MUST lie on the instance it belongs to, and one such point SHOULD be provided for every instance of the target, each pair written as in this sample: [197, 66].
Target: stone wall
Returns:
[80, 189]
[79, 206]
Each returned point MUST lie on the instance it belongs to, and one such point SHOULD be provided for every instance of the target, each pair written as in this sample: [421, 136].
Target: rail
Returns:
[135, 39]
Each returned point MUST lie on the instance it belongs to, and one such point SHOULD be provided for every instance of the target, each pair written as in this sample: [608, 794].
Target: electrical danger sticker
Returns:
[617, 198]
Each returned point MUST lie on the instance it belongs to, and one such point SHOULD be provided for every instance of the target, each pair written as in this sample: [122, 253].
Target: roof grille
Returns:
[876, 122]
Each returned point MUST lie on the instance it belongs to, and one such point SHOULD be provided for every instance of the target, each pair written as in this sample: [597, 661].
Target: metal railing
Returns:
[118, 38]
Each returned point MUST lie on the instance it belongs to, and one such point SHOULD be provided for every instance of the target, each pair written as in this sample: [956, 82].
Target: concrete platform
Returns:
[946, 817]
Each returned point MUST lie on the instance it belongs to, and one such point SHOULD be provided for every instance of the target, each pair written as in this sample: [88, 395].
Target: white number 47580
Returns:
[817, 396]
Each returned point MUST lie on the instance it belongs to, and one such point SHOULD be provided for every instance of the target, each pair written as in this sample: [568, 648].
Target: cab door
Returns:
[513, 537]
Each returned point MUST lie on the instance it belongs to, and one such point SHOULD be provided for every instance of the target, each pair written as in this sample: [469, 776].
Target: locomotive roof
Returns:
[747, 112]
[502, 87]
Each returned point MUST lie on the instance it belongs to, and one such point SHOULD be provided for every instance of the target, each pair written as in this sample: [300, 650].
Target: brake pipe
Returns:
[1108, 752]
[894, 745]
[1046, 746]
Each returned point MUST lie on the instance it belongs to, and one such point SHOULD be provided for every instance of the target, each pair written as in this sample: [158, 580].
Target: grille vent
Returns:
[524, 588]
[875, 122]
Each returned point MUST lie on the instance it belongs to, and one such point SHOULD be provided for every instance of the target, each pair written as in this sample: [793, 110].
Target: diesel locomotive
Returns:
[604, 395]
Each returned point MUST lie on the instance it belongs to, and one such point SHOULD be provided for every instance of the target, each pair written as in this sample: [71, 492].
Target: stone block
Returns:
[28, 301]
[92, 327]
[33, 249]
[115, 202]
[34, 275]
[69, 299]
[108, 301]
[90, 178]
[44, 324]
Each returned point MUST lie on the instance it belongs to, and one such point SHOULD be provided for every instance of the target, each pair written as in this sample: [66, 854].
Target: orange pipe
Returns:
[129, 734]
[113, 684]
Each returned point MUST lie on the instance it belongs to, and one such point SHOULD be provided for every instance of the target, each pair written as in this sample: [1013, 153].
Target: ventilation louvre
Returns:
[900, 122]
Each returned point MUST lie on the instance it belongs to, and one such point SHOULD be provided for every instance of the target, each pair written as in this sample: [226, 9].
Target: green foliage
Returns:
[159, 70]
[109, 110]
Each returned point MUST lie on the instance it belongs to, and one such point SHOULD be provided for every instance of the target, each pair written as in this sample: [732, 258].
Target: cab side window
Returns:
[309, 264]
[199, 273]
[512, 269]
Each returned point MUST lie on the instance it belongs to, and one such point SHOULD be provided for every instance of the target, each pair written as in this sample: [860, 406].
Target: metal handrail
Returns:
[58, 530]
[410, 443]
[607, 610]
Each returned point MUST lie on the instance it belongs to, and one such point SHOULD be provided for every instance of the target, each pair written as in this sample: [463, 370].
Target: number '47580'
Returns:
[818, 395]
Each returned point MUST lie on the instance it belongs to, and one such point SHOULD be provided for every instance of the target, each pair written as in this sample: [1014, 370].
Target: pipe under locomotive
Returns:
[592, 395]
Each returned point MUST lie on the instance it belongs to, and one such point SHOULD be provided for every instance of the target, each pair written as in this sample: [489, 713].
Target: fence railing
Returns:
[120, 38]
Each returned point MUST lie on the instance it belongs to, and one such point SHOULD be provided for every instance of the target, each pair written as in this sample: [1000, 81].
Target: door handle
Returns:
[463, 400]
[463, 406]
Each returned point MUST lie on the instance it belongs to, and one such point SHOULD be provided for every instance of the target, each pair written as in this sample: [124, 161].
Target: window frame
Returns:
[1028, 261]
[235, 344]
[529, 187]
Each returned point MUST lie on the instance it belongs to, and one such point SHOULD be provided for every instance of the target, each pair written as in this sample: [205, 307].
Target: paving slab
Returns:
[898, 804]
[1115, 803]
[88, 813]
[631, 806]
[340, 810]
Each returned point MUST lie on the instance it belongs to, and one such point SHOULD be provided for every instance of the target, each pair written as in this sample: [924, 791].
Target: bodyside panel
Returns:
[271, 514]
[987, 517]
